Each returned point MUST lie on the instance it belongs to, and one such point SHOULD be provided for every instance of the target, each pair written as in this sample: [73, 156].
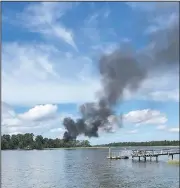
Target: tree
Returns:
[26, 141]
[4, 143]
[39, 142]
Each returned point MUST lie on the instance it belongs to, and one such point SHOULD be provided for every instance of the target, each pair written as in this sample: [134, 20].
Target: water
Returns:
[83, 168]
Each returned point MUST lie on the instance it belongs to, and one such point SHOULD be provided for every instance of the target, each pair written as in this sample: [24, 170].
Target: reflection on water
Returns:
[83, 168]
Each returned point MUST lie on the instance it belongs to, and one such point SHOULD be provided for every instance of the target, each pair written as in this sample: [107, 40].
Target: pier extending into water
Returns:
[154, 153]
[144, 154]
[117, 155]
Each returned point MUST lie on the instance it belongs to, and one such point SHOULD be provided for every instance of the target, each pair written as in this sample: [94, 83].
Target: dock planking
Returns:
[145, 154]
[116, 155]
[154, 153]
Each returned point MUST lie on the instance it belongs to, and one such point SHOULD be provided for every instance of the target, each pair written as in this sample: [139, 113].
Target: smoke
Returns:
[125, 69]
[118, 70]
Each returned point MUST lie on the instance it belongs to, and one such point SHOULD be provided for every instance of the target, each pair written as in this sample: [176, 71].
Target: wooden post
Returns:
[156, 158]
[172, 157]
[109, 152]
[144, 158]
[139, 158]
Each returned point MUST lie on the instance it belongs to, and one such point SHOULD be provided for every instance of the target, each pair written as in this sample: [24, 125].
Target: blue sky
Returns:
[50, 55]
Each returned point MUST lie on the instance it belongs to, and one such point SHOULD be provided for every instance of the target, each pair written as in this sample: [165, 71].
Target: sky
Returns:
[50, 54]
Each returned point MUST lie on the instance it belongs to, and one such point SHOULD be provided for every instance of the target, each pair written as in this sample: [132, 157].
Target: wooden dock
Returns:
[143, 154]
[154, 153]
[116, 155]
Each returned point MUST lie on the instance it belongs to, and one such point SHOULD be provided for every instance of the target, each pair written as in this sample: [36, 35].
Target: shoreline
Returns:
[92, 147]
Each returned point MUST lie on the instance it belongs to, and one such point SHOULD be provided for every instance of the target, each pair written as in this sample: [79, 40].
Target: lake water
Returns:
[83, 168]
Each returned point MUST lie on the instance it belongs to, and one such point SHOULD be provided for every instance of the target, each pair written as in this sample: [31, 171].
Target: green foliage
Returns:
[28, 141]
[151, 143]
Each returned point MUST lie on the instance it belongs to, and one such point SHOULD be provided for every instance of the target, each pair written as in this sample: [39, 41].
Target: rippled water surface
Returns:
[83, 168]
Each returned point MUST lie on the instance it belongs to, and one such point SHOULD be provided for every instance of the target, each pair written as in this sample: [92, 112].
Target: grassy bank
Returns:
[72, 148]
[174, 162]
[104, 147]
[92, 147]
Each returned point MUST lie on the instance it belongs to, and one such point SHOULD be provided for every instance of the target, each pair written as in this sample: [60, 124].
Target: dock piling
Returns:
[156, 158]
[109, 152]
[151, 153]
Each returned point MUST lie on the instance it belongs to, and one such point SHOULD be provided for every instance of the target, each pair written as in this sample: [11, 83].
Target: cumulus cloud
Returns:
[41, 73]
[161, 127]
[45, 78]
[40, 112]
[168, 128]
[8, 115]
[57, 130]
[174, 130]
[38, 120]
[144, 117]
[152, 89]
[44, 18]
[132, 131]
[152, 7]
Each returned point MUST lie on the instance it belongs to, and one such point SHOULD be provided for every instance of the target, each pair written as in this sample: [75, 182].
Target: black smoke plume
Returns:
[124, 68]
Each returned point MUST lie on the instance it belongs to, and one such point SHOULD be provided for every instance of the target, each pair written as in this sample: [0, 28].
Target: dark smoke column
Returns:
[126, 69]
[118, 71]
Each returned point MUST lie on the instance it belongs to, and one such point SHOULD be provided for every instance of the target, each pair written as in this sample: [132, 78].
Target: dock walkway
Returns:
[144, 154]
[154, 153]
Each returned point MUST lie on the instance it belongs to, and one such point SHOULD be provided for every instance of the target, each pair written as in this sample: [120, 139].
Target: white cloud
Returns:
[150, 7]
[166, 128]
[57, 130]
[163, 21]
[8, 115]
[15, 133]
[165, 90]
[90, 29]
[42, 79]
[107, 13]
[175, 130]
[36, 74]
[143, 6]
[161, 127]
[27, 122]
[132, 131]
[44, 18]
[7, 111]
[146, 116]
[40, 112]
[105, 48]
[165, 95]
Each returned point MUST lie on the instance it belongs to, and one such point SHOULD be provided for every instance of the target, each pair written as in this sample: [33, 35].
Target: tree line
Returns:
[29, 141]
[149, 143]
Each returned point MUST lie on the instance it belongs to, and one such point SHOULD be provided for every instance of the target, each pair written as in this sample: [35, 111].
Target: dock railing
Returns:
[155, 152]
[119, 154]
[142, 153]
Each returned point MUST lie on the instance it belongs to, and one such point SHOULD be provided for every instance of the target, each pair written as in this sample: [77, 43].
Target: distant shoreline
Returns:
[92, 147]
[28, 141]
